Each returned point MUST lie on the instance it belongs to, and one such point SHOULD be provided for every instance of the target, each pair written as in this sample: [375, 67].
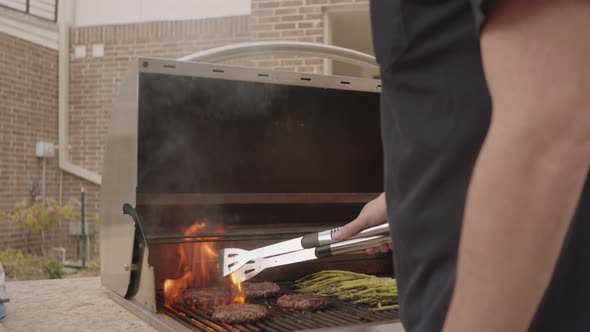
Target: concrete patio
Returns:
[79, 304]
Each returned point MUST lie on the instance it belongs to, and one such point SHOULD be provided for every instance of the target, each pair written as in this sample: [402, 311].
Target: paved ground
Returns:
[64, 305]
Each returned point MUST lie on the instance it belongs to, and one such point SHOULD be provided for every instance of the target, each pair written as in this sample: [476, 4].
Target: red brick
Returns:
[292, 33]
[284, 26]
[314, 17]
[291, 18]
[286, 11]
[314, 32]
[268, 19]
[289, 3]
[269, 34]
[272, 4]
[304, 25]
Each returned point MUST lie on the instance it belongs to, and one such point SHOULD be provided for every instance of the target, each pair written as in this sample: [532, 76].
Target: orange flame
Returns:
[173, 288]
[198, 261]
[238, 295]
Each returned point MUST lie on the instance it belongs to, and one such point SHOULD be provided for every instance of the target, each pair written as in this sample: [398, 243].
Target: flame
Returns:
[173, 288]
[238, 295]
[195, 228]
[198, 264]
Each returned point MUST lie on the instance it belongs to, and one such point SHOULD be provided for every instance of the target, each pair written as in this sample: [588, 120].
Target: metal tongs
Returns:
[308, 247]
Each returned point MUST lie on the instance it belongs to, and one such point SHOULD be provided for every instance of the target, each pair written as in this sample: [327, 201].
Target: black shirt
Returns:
[435, 112]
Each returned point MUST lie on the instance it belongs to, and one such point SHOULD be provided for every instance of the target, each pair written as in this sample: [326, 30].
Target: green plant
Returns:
[51, 268]
[39, 218]
[94, 266]
[17, 264]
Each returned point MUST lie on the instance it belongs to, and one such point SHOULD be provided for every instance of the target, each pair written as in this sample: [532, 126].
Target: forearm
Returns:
[517, 215]
[530, 172]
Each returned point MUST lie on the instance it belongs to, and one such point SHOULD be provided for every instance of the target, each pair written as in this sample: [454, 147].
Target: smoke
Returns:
[185, 125]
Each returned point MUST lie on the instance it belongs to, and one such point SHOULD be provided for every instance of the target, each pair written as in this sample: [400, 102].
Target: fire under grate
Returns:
[339, 314]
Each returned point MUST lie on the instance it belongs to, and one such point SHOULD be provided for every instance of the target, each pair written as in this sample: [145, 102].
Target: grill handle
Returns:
[139, 244]
[130, 211]
[239, 50]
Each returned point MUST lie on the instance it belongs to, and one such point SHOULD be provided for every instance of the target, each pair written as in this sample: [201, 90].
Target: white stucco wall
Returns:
[93, 12]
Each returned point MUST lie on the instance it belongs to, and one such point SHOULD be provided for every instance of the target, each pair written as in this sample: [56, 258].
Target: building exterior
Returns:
[99, 46]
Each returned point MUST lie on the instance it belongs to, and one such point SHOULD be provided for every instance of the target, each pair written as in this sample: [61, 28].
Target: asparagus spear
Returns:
[358, 288]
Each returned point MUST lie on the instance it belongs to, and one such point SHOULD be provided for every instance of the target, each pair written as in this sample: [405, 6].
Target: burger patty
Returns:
[254, 290]
[206, 298]
[240, 313]
[302, 302]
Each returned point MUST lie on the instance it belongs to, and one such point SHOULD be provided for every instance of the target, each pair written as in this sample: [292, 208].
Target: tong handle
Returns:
[327, 237]
[351, 245]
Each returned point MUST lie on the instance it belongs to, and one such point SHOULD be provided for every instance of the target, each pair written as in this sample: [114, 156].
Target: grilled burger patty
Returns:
[302, 302]
[254, 290]
[206, 298]
[240, 313]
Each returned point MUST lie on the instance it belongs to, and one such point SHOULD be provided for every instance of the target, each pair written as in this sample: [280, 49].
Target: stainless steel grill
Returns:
[256, 155]
[339, 314]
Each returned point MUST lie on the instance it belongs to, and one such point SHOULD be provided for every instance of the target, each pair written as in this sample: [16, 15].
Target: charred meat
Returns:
[240, 313]
[303, 302]
[206, 298]
[254, 290]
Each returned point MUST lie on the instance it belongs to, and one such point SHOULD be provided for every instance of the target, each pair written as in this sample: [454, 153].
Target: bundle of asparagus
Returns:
[377, 292]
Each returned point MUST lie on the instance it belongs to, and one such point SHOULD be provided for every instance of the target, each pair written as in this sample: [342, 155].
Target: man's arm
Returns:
[531, 170]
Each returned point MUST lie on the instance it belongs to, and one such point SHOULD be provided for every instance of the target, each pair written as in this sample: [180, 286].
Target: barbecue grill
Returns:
[202, 156]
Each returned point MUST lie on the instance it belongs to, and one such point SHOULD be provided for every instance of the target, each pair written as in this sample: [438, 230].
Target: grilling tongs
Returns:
[307, 247]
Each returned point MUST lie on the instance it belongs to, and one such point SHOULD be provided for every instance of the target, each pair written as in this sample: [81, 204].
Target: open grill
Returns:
[202, 157]
[339, 314]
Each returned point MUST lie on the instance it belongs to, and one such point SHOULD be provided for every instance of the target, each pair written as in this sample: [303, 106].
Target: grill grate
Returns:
[339, 314]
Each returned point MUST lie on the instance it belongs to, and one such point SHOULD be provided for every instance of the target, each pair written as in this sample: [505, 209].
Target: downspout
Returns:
[65, 14]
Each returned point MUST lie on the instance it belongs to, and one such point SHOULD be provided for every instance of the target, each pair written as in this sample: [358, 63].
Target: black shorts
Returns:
[435, 115]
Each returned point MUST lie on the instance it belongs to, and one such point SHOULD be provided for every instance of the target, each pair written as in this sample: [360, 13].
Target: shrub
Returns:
[39, 218]
[94, 266]
[18, 264]
[51, 268]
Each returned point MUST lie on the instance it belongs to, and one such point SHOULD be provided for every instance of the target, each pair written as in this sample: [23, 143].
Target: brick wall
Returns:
[28, 114]
[94, 82]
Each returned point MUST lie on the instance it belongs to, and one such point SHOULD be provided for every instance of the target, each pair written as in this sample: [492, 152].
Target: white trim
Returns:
[63, 114]
[29, 28]
[65, 164]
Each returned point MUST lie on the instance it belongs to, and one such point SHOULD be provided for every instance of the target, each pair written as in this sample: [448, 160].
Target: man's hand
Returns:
[373, 213]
